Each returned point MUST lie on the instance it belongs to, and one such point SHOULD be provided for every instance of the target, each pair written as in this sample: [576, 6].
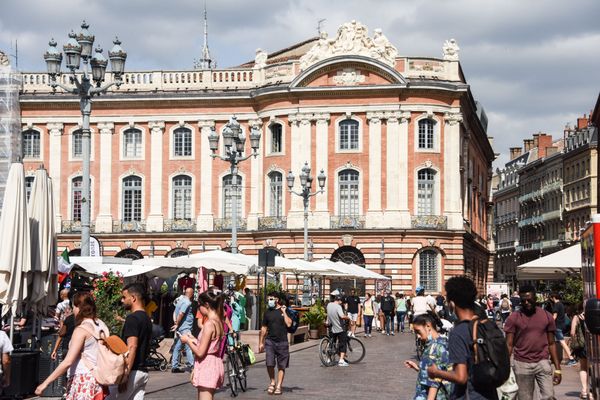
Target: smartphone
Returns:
[177, 333]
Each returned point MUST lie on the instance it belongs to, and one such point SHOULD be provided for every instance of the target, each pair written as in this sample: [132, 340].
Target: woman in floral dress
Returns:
[83, 350]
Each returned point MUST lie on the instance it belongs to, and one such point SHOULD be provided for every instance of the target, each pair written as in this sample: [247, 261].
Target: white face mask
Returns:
[271, 303]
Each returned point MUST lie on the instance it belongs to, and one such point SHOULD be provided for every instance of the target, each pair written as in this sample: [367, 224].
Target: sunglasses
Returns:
[528, 300]
[271, 298]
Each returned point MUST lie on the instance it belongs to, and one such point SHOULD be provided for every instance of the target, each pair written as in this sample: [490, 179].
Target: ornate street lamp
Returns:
[234, 141]
[79, 47]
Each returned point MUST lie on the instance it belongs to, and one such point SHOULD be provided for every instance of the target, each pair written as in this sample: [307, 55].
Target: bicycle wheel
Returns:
[241, 375]
[159, 362]
[355, 351]
[327, 353]
[231, 372]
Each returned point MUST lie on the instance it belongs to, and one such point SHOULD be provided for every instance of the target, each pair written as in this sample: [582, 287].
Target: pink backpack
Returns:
[111, 359]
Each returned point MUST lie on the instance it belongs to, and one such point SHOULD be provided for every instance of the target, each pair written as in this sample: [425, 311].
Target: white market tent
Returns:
[553, 266]
[351, 271]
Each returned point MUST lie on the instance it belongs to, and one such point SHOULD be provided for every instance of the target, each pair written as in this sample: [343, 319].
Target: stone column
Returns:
[300, 137]
[205, 219]
[55, 131]
[403, 189]
[155, 220]
[452, 152]
[321, 216]
[256, 179]
[104, 219]
[393, 172]
[374, 216]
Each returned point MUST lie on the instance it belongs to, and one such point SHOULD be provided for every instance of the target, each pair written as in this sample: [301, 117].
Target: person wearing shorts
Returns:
[353, 306]
[274, 341]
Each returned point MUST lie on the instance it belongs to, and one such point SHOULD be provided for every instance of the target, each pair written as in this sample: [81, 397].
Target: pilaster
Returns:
[104, 219]
[55, 131]
[452, 152]
[300, 136]
[256, 179]
[155, 220]
[321, 215]
[205, 219]
[374, 216]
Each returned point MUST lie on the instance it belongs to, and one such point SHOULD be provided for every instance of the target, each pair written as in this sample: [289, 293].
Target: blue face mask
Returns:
[271, 303]
[429, 337]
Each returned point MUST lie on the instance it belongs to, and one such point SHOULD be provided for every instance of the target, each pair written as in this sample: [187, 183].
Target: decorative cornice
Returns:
[157, 126]
[106, 128]
[453, 118]
[206, 123]
[255, 122]
[54, 128]
[375, 116]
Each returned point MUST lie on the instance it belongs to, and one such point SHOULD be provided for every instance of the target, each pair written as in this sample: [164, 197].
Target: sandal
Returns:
[271, 389]
[278, 391]
[584, 396]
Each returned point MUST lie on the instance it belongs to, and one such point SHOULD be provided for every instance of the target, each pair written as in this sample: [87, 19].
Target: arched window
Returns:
[28, 186]
[426, 133]
[130, 253]
[132, 143]
[31, 144]
[425, 192]
[76, 185]
[428, 270]
[182, 197]
[178, 253]
[132, 198]
[229, 192]
[182, 142]
[348, 193]
[276, 138]
[348, 134]
[275, 194]
[77, 144]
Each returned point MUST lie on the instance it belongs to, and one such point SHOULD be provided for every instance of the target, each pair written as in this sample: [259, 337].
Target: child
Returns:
[208, 374]
[436, 352]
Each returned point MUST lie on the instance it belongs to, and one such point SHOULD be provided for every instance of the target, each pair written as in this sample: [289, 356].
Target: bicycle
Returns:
[329, 350]
[155, 359]
[236, 366]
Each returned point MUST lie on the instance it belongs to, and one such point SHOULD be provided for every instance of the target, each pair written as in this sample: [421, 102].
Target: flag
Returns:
[64, 265]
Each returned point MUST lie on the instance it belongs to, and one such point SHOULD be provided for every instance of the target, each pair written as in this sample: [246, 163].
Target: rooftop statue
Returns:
[450, 50]
[260, 60]
[352, 39]
[4, 61]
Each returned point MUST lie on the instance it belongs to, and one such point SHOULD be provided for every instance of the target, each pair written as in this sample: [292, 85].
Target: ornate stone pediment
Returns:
[352, 39]
[348, 77]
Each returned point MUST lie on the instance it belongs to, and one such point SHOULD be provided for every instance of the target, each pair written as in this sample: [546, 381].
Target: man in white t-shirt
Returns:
[63, 309]
[6, 348]
[419, 303]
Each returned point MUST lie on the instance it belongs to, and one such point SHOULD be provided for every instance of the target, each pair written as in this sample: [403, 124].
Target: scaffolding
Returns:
[10, 125]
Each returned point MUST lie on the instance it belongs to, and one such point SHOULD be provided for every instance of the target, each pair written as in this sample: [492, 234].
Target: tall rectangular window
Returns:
[425, 192]
[77, 144]
[28, 186]
[428, 271]
[182, 197]
[276, 194]
[276, 138]
[348, 193]
[76, 186]
[31, 144]
[182, 141]
[132, 143]
[231, 191]
[426, 133]
[348, 134]
[132, 199]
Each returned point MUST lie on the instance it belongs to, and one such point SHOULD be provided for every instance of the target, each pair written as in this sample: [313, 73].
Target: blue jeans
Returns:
[400, 320]
[368, 323]
[389, 323]
[189, 355]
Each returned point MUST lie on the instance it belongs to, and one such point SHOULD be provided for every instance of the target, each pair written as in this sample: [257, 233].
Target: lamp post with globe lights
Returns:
[234, 141]
[77, 49]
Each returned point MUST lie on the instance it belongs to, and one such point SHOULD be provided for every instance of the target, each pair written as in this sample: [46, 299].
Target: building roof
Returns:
[293, 52]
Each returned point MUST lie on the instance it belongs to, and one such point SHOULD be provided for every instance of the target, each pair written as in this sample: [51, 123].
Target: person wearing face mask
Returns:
[435, 353]
[530, 335]
[273, 341]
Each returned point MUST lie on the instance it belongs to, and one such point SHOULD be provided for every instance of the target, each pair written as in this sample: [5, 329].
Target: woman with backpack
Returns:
[208, 373]
[83, 351]
[578, 349]
[504, 308]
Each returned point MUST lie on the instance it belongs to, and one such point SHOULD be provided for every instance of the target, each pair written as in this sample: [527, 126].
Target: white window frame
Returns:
[269, 204]
[120, 198]
[436, 133]
[41, 144]
[141, 188]
[437, 199]
[439, 266]
[337, 191]
[244, 180]
[172, 194]
[338, 132]
[71, 136]
[143, 131]
[172, 155]
[269, 143]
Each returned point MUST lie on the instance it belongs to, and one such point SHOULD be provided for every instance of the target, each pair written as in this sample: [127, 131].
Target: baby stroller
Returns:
[155, 359]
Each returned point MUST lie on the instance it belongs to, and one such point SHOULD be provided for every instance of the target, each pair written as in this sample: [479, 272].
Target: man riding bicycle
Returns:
[335, 319]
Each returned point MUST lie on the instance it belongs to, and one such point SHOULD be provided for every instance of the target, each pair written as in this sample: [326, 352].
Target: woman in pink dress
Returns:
[208, 374]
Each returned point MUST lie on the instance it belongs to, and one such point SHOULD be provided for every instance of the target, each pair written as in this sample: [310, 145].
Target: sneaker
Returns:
[393, 334]
[571, 362]
[343, 363]
[387, 334]
[366, 335]
[370, 335]
[177, 371]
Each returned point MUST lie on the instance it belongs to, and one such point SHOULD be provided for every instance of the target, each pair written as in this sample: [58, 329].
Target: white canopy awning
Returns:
[553, 266]
[351, 271]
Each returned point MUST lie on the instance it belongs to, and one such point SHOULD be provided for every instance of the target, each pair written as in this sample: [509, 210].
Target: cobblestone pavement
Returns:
[381, 375]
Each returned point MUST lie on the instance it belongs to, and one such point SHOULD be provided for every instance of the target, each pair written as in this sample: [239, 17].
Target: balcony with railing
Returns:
[548, 244]
[224, 224]
[551, 187]
[550, 215]
[507, 218]
[506, 245]
[529, 247]
[272, 223]
[438, 222]
[536, 194]
[129, 226]
[347, 221]
[179, 225]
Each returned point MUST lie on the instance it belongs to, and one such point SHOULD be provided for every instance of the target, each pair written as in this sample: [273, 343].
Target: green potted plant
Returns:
[314, 318]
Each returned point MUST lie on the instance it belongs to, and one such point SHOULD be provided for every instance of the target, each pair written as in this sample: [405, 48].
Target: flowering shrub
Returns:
[107, 294]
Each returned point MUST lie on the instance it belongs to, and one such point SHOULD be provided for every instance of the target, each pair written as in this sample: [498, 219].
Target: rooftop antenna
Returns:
[320, 24]
[206, 61]
[16, 54]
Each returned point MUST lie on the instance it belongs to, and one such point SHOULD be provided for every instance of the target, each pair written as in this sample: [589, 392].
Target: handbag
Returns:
[509, 389]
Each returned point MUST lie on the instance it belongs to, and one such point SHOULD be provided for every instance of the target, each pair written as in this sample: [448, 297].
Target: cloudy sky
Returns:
[535, 65]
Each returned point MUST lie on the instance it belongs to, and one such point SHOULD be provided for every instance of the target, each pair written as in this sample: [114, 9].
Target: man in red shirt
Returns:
[530, 334]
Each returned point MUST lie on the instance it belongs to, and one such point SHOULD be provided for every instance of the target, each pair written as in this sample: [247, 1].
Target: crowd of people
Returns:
[204, 324]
